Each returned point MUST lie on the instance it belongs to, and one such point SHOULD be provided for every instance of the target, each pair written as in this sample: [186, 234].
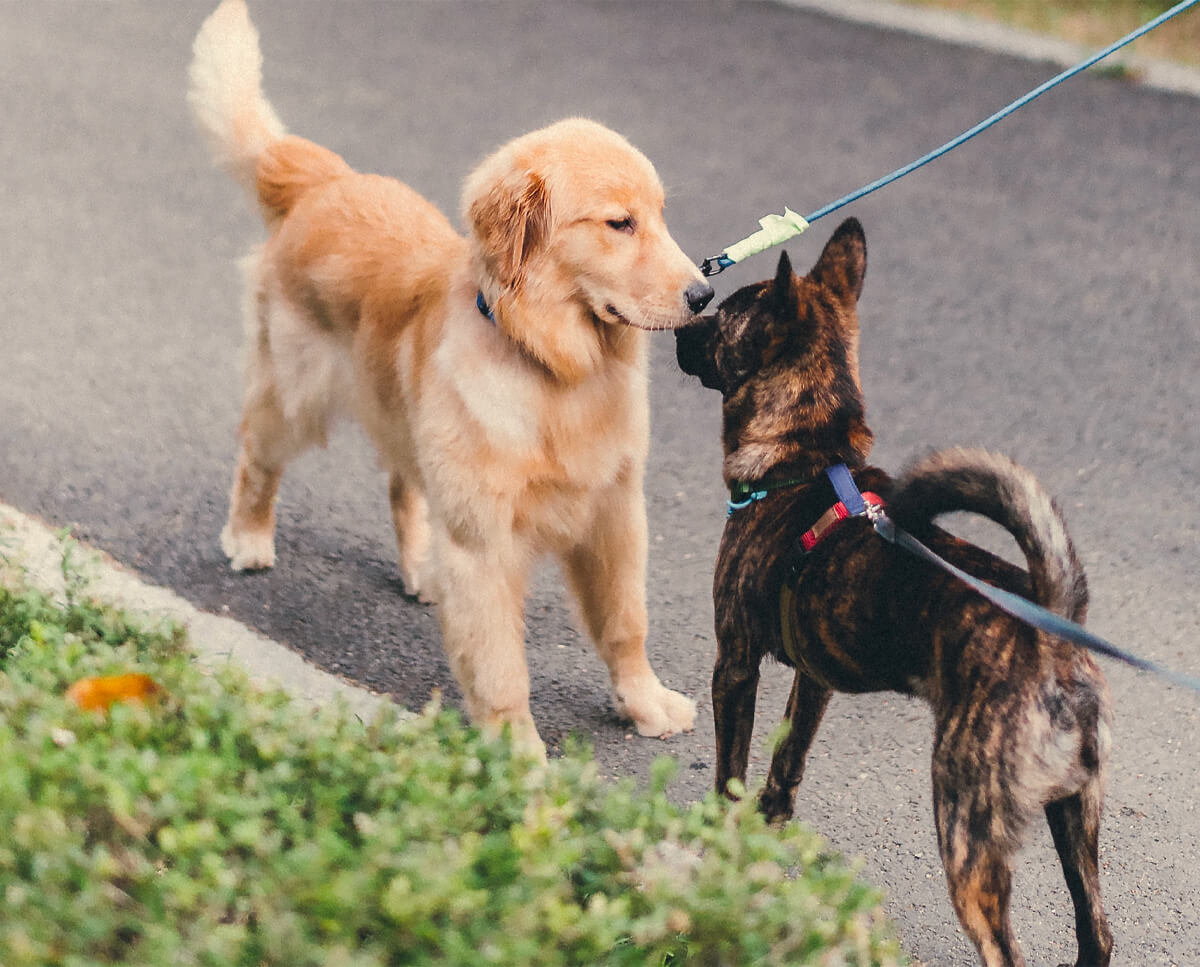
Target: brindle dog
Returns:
[1022, 719]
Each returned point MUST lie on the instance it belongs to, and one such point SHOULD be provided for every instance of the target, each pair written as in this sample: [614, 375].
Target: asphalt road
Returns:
[1036, 292]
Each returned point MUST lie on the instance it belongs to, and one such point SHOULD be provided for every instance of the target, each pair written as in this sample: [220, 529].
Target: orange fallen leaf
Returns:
[98, 694]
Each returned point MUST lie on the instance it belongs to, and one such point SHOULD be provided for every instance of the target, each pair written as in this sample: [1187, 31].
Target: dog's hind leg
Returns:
[806, 705]
[978, 866]
[1075, 826]
[270, 437]
[249, 534]
[981, 892]
[410, 517]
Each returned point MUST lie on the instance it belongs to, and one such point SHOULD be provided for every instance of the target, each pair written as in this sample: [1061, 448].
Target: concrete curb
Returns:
[971, 32]
[215, 640]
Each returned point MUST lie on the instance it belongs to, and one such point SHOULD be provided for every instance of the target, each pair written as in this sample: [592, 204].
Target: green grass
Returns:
[1091, 23]
[224, 825]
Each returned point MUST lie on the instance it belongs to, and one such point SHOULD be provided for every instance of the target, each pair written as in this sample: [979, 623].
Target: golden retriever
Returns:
[502, 376]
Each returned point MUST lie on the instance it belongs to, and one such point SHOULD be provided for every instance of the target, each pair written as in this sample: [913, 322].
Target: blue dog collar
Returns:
[484, 309]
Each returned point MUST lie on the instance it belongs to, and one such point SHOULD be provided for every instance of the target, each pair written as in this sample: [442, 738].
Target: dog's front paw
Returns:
[248, 551]
[417, 585]
[654, 708]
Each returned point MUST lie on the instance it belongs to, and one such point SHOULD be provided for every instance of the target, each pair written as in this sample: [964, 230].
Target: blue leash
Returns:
[777, 229]
[1020, 608]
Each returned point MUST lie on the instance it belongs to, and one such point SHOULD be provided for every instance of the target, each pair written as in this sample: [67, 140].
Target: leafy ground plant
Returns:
[221, 825]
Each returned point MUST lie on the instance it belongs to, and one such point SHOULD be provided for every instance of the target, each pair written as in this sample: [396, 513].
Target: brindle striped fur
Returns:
[1021, 719]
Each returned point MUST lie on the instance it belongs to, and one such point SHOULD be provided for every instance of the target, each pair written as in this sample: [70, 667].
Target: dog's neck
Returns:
[565, 339]
[794, 438]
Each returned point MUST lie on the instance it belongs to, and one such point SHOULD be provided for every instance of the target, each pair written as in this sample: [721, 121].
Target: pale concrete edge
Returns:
[37, 549]
[971, 32]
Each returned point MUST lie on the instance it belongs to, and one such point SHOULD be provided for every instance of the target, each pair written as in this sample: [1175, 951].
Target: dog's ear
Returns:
[842, 266]
[775, 327]
[783, 289]
[511, 221]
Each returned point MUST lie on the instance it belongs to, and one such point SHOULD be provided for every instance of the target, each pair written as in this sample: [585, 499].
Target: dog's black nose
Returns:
[698, 295]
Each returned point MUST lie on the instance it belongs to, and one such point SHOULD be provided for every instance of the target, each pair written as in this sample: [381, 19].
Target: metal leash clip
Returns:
[715, 265]
[881, 522]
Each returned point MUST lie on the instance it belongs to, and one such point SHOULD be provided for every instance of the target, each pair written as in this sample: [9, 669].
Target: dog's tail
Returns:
[1003, 491]
[246, 136]
[226, 95]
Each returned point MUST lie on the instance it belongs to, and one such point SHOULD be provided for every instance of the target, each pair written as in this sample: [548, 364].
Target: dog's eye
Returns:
[625, 224]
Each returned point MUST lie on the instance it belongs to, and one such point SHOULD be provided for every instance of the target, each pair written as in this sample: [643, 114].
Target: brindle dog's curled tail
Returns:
[994, 486]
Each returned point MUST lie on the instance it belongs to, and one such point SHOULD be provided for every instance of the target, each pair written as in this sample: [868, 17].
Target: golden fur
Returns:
[503, 440]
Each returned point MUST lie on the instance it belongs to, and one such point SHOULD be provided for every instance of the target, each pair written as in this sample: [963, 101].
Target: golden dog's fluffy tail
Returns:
[246, 136]
[226, 95]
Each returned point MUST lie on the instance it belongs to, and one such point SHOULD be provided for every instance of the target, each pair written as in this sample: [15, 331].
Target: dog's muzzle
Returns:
[692, 355]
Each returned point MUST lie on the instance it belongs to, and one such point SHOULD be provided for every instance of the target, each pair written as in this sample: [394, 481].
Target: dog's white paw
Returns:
[655, 709]
[248, 552]
[417, 585]
[522, 733]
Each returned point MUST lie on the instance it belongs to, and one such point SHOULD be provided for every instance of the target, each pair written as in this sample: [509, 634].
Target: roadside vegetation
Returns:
[217, 824]
[1091, 23]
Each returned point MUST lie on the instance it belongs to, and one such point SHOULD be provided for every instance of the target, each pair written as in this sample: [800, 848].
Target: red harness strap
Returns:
[828, 521]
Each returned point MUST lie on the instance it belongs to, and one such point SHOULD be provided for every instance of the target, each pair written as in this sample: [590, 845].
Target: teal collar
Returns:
[743, 493]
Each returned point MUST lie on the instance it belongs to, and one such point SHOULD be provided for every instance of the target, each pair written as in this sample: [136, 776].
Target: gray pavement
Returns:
[1035, 292]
